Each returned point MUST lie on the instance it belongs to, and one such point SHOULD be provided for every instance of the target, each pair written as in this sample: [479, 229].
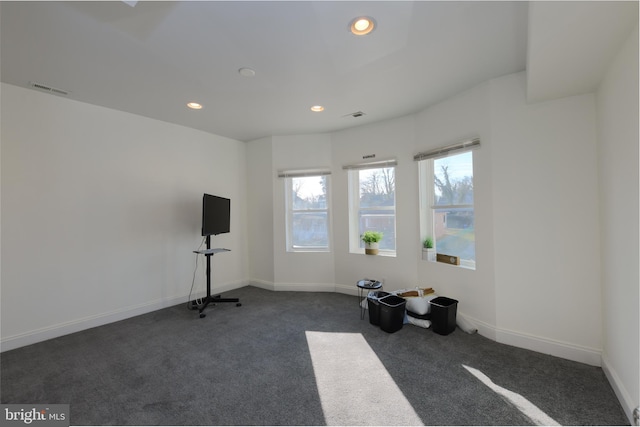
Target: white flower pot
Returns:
[371, 248]
[429, 254]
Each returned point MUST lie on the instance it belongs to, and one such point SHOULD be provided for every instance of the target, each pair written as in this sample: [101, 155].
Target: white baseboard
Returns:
[306, 287]
[66, 328]
[484, 329]
[262, 284]
[619, 388]
[347, 289]
[296, 287]
[569, 351]
[542, 345]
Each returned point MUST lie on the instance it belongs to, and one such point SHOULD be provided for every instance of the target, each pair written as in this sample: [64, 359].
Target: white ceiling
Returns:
[571, 44]
[153, 58]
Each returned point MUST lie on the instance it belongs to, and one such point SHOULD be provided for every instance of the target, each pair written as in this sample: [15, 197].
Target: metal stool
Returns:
[364, 286]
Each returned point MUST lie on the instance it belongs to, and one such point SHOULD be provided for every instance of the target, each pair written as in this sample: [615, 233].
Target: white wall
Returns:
[617, 100]
[537, 283]
[296, 270]
[101, 211]
[465, 115]
[546, 222]
[388, 139]
[272, 267]
[260, 212]
[68, 166]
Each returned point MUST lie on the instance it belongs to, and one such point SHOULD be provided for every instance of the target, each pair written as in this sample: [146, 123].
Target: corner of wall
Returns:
[619, 388]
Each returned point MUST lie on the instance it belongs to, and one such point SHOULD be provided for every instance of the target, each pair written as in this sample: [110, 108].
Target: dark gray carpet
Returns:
[251, 365]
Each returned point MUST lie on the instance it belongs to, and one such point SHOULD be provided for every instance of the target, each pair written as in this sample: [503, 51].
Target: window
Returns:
[447, 201]
[307, 215]
[372, 203]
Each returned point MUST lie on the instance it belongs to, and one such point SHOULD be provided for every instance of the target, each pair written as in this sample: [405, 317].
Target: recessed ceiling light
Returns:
[247, 72]
[362, 25]
[317, 108]
[194, 106]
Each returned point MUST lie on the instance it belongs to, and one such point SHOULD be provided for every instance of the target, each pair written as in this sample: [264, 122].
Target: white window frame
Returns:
[426, 174]
[354, 204]
[289, 208]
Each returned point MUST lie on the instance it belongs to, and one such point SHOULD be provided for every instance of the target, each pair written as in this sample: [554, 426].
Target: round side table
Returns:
[364, 286]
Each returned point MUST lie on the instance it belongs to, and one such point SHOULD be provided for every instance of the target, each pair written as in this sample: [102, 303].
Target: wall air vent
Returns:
[49, 89]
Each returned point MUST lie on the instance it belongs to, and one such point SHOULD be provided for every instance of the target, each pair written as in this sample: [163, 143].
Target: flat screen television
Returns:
[216, 215]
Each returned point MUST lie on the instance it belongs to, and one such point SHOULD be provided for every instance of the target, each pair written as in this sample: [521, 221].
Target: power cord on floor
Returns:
[198, 301]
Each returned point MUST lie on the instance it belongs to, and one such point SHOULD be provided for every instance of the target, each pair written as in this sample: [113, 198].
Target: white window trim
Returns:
[426, 196]
[288, 182]
[427, 192]
[354, 204]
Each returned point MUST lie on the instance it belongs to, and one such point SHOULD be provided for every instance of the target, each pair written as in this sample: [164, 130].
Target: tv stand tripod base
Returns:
[209, 299]
[213, 300]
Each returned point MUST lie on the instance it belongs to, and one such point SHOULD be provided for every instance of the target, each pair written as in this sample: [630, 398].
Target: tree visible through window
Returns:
[452, 206]
[373, 206]
[307, 213]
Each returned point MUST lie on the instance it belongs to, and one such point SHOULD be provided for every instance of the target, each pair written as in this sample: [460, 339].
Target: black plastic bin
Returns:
[443, 315]
[373, 301]
[392, 313]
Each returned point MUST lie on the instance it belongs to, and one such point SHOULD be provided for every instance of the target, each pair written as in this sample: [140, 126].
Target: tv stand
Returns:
[208, 253]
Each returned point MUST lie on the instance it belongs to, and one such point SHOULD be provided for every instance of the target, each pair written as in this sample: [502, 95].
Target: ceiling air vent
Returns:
[49, 89]
[356, 114]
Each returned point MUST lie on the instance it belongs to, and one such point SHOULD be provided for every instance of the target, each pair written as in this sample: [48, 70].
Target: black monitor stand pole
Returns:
[208, 253]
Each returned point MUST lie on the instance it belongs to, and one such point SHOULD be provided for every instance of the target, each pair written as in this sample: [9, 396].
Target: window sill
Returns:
[388, 254]
[308, 250]
[430, 256]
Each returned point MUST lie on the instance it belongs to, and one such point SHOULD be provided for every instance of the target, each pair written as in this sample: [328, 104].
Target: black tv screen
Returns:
[216, 215]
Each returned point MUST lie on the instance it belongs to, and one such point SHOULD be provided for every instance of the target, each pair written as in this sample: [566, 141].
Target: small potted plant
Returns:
[430, 251]
[371, 241]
